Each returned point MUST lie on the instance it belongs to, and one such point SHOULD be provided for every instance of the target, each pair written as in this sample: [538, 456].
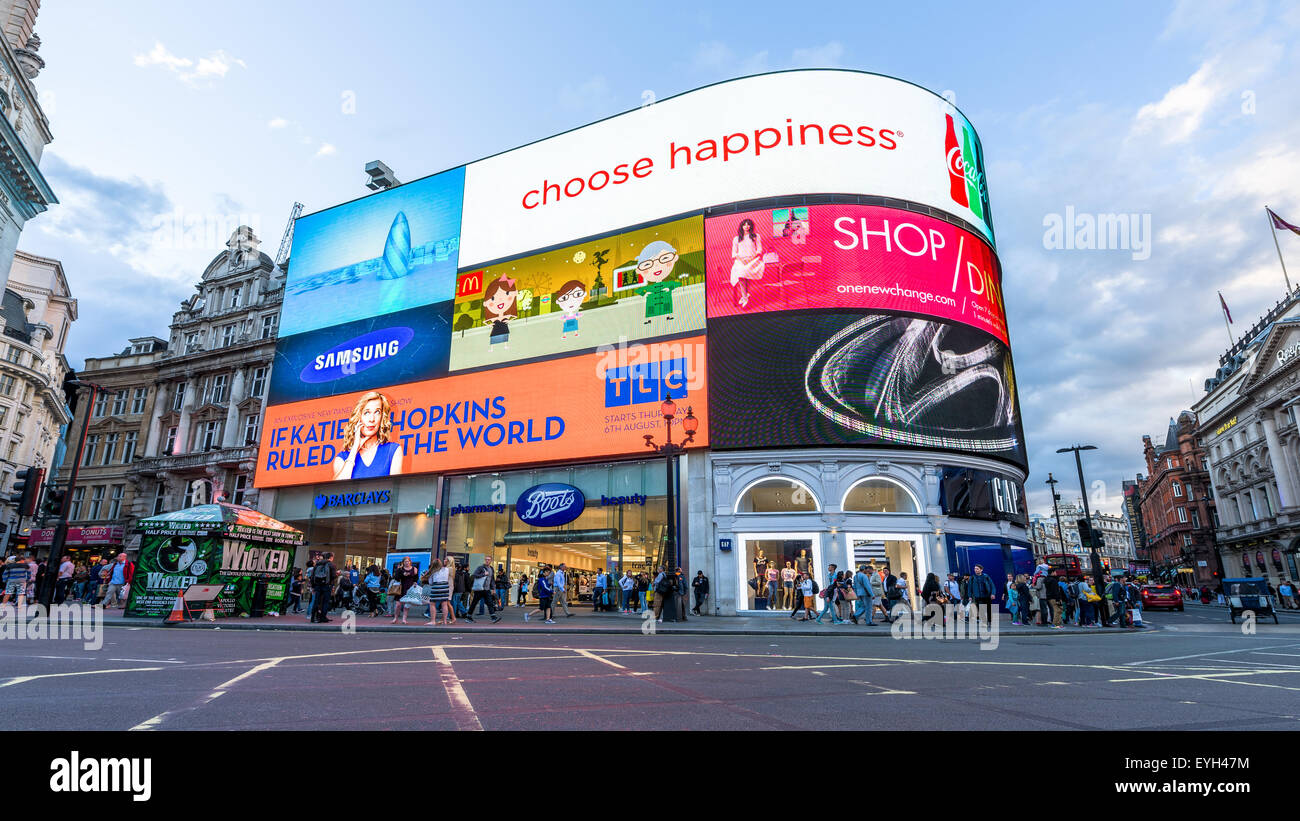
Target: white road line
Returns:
[1203, 655]
[21, 679]
[219, 691]
[461, 708]
[594, 657]
[152, 661]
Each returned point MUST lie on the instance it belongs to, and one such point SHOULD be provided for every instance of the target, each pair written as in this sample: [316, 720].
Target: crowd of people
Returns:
[102, 580]
[448, 591]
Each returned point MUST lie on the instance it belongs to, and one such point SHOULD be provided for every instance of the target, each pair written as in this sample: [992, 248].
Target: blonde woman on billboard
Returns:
[746, 259]
[370, 452]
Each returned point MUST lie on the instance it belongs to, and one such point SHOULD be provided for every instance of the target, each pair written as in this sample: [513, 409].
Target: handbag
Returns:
[1093, 597]
[415, 595]
[849, 595]
[395, 589]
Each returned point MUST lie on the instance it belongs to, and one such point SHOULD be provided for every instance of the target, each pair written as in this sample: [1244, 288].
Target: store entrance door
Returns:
[770, 564]
[899, 551]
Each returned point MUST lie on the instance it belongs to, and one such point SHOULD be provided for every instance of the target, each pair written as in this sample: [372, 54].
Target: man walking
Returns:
[323, 577]
[119, 577]
[831, 600]
[1055, 598]
[482, 587]
[598, 592]
[701, 586]
[863, 588]
[979, 591]
[561, 584]
[64, 581]
[627, 586]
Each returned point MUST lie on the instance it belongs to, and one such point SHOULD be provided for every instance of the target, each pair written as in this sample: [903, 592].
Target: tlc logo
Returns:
[646, 382]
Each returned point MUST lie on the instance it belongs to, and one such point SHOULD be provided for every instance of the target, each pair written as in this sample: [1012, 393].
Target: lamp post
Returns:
[669, 559]
[61, 529]
[1097, 579]
[1056, 511]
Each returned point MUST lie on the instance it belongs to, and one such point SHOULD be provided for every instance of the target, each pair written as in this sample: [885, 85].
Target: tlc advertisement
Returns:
[585, 406]
[641, 284]
[854, 378]
[169, 564]
[770, 135]
[377, 255]
[852, 257]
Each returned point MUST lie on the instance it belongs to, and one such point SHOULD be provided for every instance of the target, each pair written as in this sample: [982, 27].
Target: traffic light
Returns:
[27, 485]
[53, 505]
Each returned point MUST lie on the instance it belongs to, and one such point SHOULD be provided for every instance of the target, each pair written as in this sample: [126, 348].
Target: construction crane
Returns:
[282, 255]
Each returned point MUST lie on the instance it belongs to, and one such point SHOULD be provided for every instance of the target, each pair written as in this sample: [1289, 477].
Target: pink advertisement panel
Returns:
[857, 257]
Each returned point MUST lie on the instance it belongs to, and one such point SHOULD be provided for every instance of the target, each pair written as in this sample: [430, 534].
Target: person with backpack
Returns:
[323, 576]
[807, 597]
[1116, 602]
[545, 596]
[482, 586]
[979, 594]
[460, 589]
[1055, 598]
[665, 588]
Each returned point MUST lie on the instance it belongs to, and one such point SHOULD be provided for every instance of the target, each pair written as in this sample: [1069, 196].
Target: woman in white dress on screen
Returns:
[746, 260]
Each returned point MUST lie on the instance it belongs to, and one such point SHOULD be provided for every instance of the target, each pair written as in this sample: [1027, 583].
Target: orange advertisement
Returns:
[593, 405]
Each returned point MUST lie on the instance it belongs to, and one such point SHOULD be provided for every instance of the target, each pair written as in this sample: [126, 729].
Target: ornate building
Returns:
[1177, 506]
[178, 422]
[24, 129]
[1117, 547]
[35, 317]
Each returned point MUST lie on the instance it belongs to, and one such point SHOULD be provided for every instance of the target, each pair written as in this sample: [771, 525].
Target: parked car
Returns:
[1161, 595]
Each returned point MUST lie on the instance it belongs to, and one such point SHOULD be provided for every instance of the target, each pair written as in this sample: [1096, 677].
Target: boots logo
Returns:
[550, 505]
[357, 355]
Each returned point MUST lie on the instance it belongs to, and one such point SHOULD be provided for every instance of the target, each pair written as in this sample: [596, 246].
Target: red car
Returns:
[1161, 595]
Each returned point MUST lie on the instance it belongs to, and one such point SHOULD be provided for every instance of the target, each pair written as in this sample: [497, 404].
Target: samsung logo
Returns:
[550, 505]
[357, 354]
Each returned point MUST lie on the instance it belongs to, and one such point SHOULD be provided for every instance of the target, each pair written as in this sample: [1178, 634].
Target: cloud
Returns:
[592, 96]
[823, 56]
[215, 66]
[1179, 113]
[326, 150]
[278, 122]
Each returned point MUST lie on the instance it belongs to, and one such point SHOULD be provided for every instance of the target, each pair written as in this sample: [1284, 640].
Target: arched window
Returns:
[878, 495]
[778, 495]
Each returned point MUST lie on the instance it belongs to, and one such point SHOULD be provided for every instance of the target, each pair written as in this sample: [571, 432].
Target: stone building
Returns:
[178, 422]
[1117, 549]
[36, 315]
[1178, 507]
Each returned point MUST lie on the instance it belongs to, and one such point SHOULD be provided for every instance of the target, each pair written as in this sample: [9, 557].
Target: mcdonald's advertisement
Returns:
[594, 405]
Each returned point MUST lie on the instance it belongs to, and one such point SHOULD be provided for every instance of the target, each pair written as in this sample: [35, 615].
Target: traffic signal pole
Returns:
[61, 529]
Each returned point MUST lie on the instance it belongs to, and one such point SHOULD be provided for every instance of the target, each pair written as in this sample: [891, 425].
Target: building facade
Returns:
[24, 129]
[177, 421]
[1116, 553]
[1177, 504]
[36, 316]
[1252, 444]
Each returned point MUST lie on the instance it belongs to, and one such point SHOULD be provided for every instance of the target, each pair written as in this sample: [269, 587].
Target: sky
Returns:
[173, 123]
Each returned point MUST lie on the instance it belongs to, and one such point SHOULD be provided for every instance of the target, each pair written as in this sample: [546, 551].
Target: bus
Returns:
[1065, 565]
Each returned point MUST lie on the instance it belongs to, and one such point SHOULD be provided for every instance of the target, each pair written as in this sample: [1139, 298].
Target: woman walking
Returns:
[932, 593]
[544, 593]
[440, 593]
[522, 598]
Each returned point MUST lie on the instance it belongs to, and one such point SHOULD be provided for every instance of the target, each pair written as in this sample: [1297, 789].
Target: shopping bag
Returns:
[413, 596]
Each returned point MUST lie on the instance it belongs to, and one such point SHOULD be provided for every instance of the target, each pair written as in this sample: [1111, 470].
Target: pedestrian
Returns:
[680, 586]
[560, 583]
[545, 593]
[642, 590]
[979, 594]
[664, 585]
[79, 577]
[295, 590]
[521, 598]
[700, 584]
[598, 592]
[831, 596]
[15, 581]
[503, 587]
[405, 575]
[1116, 601]
[64, 581]
[1024, 599]
[862, 588]
[482, 590]
[627, 592]
[440, 593]
[807, 596]
[372, 587]
[1055, 598]
[460, 588]
[120, 575]
[1087, 608]
[932, 593]
[905, 590]
[323, 575]
[877, 578]
[953, 588]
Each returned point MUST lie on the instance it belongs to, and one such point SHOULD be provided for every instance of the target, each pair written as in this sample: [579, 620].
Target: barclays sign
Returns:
[550, 505]
[373, 497]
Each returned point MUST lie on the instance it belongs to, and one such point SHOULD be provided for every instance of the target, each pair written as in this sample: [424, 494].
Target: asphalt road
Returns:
[1195, 672]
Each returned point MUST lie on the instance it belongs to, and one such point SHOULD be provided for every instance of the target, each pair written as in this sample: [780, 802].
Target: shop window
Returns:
[777, 496]
[772, 568]
[879, 496]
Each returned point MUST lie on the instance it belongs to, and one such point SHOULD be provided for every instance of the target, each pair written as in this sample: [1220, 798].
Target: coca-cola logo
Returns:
[550, 505]
[956, 166]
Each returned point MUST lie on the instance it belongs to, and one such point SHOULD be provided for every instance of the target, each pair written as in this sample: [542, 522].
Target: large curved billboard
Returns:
[805, 258]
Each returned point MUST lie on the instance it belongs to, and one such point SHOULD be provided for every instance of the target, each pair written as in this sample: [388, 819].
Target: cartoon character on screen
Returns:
[569, 300]
[655, 264]
[499, 308]
[367, 436]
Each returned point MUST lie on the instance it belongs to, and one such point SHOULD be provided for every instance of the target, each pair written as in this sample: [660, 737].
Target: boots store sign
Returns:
[550, 505]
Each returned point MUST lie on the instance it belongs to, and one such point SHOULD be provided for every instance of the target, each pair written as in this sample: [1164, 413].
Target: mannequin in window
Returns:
[787, 586]
[803, 562]
[760, 573]
[773, 586]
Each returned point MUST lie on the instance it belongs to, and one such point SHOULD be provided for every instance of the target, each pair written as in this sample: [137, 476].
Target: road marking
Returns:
[461, 708]
[594, 657]
[1203, 655]
[21, 679]
[152, 661]
[218, 692]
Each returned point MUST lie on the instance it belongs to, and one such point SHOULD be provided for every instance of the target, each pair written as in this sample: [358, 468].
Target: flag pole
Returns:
[1223, 309]
[1273, 229]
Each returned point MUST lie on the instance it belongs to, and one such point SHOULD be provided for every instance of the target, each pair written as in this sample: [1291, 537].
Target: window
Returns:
[228, 335]
[12, 453]
[159, 498]
[1182, 514]
[92, 442]
[96, 502]
[7, 385]
[259, 382]
[192, 342]
[110, 447]
[879, 496]
[1250, 502]
[1196, 518]
[178, 398]
[1268, 501]
[250, 428]
[776, 496]
[211, 435]
[4, 412]
[236, 295]
[1190, 495]
[119, 402]
[269, 323]
[171, 440]
[128, 447]
[217, 389]
[189, 495]
[137, 403]
[15, 354]
[1214, 516]
[101, 404]
[1236, 507]
[1178, 489]
[241, 488]
[78, 496]
[1187, 540]
[115, 501]
[19, 419]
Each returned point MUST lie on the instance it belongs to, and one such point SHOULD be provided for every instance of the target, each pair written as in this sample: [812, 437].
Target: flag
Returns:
[1278, 222]
[1226, 312]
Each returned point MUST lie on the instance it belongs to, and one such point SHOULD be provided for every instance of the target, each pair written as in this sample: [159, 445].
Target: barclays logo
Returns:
[550, 505]
[373, 497]
[357, 355]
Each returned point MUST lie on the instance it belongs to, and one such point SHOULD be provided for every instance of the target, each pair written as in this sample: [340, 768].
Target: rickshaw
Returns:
[1248, 594]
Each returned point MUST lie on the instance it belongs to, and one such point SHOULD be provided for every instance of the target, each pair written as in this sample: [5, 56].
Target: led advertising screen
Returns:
[810, 378]
[853, 257]
[406, 346]
[380, 254]
[771, 135]
[641, 284]
[584, 406]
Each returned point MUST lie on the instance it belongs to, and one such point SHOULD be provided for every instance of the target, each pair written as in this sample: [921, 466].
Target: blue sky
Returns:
[207, 115]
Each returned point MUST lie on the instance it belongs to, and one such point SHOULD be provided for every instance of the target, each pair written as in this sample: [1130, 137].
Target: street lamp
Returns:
[1097, 580]
[1057, 511]
[61, 529]
[669, 558]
